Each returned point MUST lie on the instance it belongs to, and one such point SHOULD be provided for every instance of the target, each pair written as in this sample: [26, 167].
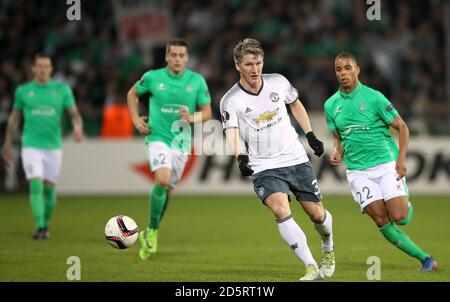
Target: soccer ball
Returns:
[121, 231]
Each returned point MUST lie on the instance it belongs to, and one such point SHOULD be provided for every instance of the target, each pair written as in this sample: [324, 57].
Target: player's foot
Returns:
[37, 234]
[327, 264]
[149, 241]
[429, 264]
[45, 234]
[152, 239]
[144, 252]
[312, 273]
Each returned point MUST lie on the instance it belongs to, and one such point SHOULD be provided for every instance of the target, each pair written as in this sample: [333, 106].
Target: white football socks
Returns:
[293, 235]
[325, 229]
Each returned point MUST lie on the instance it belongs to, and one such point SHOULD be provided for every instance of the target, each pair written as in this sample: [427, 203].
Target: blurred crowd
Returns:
[402, 55]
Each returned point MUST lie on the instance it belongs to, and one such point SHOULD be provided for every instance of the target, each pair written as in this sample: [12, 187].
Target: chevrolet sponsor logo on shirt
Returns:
[266, 116]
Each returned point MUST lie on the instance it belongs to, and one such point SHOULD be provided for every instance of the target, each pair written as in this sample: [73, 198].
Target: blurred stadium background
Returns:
[406, 55]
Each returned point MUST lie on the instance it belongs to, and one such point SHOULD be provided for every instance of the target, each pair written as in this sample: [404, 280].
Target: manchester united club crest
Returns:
[274, 97]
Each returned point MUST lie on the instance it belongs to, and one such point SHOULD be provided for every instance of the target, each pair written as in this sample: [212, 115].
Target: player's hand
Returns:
[141, 125]
[184, 115]
[243, 165]
[78, 134]
[400, 167]
[315, 144]
[7, 154]
[335, 158]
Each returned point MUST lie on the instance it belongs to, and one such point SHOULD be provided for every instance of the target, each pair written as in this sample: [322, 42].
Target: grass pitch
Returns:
[212, 238]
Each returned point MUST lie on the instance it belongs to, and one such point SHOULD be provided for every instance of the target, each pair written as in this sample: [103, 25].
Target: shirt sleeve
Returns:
[203, 96]
[69, 100]
[18, 101]
[385, 109]
[291, 92]
[228, 114]
[330, 121]
[143, 85]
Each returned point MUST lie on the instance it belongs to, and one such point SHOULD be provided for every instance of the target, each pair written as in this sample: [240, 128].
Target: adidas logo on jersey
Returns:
[248, 110]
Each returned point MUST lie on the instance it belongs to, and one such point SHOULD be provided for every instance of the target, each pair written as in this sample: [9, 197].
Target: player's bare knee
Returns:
[279, 211]
[317, 216]
[48, 183]
[397, 217]
[315, 211]
[381, 220]
[163, 182]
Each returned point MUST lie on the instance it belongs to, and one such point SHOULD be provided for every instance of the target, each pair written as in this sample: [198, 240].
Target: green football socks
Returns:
[36, 201]
[157, 205]
[395, 236]
[165, 206]
[49, 202]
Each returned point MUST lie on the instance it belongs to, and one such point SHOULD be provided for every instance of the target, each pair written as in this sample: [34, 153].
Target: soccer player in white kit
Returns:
[254, 110]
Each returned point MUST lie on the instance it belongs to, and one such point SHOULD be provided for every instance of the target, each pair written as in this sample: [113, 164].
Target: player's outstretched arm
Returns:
[336, 156]
[12, 130]
[237, 148]
[139, 122]
[232, 135]
[301, 116]
[77, 123]
[399, 124]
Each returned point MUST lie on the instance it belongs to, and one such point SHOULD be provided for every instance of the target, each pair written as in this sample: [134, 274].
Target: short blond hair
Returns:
[245, 47]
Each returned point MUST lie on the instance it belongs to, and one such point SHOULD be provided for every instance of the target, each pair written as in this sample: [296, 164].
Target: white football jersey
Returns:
[264, 124]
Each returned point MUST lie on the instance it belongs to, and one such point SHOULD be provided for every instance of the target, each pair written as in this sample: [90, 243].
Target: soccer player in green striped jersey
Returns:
[41, 102]
[176, 93]
[359, 118]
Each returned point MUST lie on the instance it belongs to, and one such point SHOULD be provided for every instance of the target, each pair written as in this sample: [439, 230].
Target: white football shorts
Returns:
[161, 156]
[41, 163]
[376, 183]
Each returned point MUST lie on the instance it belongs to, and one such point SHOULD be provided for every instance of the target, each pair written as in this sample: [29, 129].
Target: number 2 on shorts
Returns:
[360, 196]
[162, 159]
